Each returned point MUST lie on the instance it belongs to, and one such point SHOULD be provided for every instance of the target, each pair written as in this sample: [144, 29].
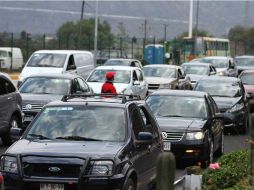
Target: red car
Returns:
[247, 78]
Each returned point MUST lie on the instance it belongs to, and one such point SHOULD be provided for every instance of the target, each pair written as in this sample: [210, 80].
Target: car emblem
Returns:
[54, 169]
[164, 135]
[29, 106]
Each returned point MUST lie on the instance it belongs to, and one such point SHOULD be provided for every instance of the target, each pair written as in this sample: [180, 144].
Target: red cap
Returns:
[110, 75]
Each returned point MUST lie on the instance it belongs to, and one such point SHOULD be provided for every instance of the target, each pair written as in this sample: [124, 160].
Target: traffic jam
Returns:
[70, 125]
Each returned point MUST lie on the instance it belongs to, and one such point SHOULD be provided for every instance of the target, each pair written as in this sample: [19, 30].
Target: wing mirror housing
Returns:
[145, 138]
[136, 83]
[71, 67]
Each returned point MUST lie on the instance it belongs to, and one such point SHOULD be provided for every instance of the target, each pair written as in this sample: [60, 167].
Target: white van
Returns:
[58, 61]
[8, 53]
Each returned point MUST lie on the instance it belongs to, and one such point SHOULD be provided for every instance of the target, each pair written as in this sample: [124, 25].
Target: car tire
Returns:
[130, 185]
[220, 150]
[14, 123]
[209, 158]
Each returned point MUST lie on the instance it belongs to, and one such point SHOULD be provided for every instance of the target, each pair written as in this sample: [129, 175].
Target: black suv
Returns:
[85, 142]
[10, 108]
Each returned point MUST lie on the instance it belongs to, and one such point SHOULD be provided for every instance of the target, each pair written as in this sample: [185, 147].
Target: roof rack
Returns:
[124, 98]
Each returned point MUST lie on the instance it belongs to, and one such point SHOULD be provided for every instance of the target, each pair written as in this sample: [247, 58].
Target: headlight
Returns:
[221, 73]
[9, 164]
[103, 168]
[237, 107]
[195, 136]
[168, 86]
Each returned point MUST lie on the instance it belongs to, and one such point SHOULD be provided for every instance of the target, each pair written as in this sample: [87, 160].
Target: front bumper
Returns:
[195, 150]
[234, 119]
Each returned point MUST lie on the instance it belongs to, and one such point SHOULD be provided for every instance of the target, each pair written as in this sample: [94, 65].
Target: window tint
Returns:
[2, 87]
[83, 59]
[83, 86]
[6, 87]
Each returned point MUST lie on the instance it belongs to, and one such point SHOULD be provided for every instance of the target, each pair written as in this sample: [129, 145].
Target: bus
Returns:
[197, 47]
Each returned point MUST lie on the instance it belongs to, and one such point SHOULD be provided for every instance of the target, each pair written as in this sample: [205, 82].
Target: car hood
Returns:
[159, 80]
[226, 102]
[195, 78]
[27, 71]
[180, 124]
[249, 88]
[39, 98]
[242, 68]
[96, 86]
[221, 70]
[62, 147]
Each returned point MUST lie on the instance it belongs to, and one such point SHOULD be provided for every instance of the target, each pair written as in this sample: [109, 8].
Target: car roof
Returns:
[220, 78]
[122, 59]
[162, 65]
[179, 93]
[197, 63]
[109, 67]
[247, 71]
[245, 56]
[217, 57]
[63, 51]
[56, 75]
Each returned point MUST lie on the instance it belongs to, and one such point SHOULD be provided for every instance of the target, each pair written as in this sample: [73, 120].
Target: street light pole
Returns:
[96, 34]
[165, 32]
[197, 13]
[190, 18]
[80, 28]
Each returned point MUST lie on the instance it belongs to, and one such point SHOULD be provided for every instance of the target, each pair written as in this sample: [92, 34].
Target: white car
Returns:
[123, 62]
[128, 80]
[162, 76]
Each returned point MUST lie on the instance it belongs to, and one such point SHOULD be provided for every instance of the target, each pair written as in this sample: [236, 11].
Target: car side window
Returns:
[212, 106]
[150, 126]
[136, 120]
[140, 75]
[75, 86]
[71, 63]
[6, 87]
[83, 85]
[180, 73]
[82, 59]
[135, 77]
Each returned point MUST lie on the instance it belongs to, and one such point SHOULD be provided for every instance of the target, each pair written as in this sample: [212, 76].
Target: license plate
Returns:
[28, 118]
[167, 146]
[48, 186]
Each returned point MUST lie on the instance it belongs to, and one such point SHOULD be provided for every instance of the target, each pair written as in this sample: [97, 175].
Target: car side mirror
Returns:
[145, 138]
[71, 67]
[136, 83]
[16, 133]
[213, 73]
[182, 77]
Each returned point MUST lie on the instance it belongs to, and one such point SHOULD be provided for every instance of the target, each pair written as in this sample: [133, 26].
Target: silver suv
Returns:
[10, 108]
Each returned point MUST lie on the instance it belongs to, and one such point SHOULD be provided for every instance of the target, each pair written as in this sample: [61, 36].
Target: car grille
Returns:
[42, 170]
[32, 107]
[153, 86]
[174, 136]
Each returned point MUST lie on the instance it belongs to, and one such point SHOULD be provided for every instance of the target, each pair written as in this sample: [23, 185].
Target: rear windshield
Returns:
[47, 60]
[82, 122]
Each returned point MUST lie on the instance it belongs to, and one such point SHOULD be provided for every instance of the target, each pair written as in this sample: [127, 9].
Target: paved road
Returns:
[232, 142]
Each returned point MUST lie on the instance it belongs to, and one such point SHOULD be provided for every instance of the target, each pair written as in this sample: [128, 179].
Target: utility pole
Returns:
[190, 18]
[196, 26]
[96, 33]
[165, 32]
[80, 27]
[145, 31]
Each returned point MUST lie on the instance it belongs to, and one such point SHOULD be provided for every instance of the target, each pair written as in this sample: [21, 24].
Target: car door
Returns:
[156, 148]
[143, 84]
[216, 124]
[136, 87]
[140, 153]
[84, 63]
[7, 101]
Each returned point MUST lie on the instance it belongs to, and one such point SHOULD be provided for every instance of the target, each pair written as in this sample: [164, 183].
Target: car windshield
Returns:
[217, 63]
[118, 62]
[219, 88]
[164, 72]
[177, 106]
[121, 76]
[47, 60]
[79, 123]
[45, 85]
[195, 69]
[244, 62]
[247, 78]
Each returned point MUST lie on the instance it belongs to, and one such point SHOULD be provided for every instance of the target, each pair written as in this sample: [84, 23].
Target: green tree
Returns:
[69, 31]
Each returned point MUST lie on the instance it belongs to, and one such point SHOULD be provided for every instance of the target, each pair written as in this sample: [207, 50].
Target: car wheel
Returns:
[210, 155]
[130, 185]
[220, 150]
[14, 123]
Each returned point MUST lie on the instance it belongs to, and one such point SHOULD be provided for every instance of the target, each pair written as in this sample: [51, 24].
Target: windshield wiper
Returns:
[41, 137]
[171, 115]
[78, 138]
